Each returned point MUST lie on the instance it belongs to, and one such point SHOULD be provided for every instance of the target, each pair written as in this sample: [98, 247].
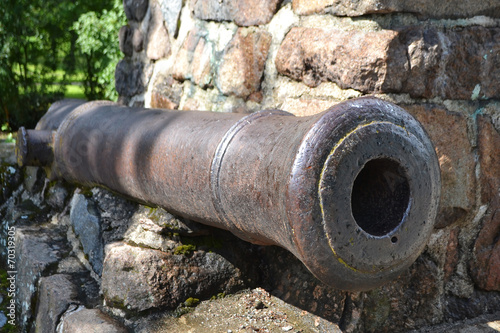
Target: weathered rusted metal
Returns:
[352, 192]
[39, 151]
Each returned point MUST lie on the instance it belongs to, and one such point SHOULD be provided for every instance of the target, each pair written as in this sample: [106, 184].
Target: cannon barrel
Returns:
[352, 191]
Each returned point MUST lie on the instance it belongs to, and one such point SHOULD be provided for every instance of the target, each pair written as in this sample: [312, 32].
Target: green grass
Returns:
[73, 83]
[58, 74]
[74, 91]
[76, 77]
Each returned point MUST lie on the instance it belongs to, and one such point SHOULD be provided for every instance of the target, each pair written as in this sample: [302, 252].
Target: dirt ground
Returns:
[258, 311]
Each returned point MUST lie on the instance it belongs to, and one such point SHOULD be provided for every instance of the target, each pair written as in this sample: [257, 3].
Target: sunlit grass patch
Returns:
[74, 91]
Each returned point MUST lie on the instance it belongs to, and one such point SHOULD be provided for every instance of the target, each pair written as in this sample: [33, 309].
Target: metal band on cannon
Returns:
[352, 192]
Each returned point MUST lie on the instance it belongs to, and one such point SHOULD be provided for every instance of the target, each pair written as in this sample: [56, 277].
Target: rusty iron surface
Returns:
[352, 192]
[34, 147]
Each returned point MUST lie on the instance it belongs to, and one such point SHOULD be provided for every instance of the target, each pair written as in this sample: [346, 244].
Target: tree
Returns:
[36, 39]
[98, 42]
[23, 71]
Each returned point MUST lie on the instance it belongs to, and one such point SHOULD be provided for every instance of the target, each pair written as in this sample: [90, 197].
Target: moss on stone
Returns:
[377, 308]
[186, 307]
[153, 214]
[160, 217]
[86, 191]
[185, 249]
[218, 296]
[191, 302]
[209, 242]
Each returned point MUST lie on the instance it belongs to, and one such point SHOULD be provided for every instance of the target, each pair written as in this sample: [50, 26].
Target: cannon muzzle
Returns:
[352, 192]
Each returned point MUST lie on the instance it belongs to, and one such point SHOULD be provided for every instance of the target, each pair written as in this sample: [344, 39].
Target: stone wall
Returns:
[88, 256]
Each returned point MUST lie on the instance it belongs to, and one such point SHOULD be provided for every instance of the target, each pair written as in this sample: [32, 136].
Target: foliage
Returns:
[37, 42]
[98, 42]
[24, 65]
[8, 137]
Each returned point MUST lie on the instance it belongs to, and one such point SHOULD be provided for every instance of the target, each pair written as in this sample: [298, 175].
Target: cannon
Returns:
[352, 192]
